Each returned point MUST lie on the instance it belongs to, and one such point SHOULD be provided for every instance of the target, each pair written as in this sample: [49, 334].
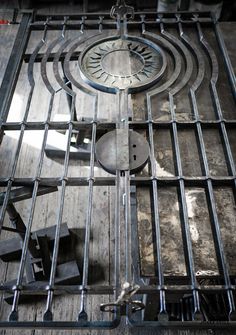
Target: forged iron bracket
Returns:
[121, 11]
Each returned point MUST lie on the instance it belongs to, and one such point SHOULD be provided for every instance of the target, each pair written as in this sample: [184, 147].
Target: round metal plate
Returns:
[115, 63]
[106, 152]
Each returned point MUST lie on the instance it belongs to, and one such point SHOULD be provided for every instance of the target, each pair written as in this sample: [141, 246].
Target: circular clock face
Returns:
[111, 64]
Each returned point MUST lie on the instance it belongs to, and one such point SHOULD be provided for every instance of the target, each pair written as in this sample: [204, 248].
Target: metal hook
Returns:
[124, 300]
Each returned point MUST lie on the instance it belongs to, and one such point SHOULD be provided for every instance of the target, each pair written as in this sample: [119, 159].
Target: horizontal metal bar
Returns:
[74, 26]
[109, 24]
[72, 325]
[106, 14]
[79, 125]
[41, 288]
[39, 57]
[184, 325]
[80, 181]
[110, 181]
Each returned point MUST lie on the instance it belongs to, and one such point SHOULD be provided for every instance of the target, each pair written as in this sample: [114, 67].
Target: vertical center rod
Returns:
[124, 182]
[122, 123]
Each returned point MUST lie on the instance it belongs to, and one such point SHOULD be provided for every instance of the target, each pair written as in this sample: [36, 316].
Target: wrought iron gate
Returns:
[162, 61]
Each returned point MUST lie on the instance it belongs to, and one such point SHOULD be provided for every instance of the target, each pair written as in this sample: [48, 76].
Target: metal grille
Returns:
[169, 106]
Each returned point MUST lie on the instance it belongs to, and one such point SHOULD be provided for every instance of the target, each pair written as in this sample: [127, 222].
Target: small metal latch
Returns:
[124, 300]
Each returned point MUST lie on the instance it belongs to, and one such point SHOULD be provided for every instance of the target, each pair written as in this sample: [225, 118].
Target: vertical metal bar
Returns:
[124, 23]
[117, 220]
[17, 154]
[135, 235]
[183, 203]
[231, 164]
[117, 211]
[127, 228]
[162, 313]
[186, 232]
[100, 23]
[48, 315]
[82, 24]
[215, 98]
[23, 125]
[13, 66]
[127, 191]
[123, 122]
[83, 313]
[184, 209]
[6, 93]
[17, 289]
[210, 195]
[227, 60]
[117, 235]
[85, 6]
